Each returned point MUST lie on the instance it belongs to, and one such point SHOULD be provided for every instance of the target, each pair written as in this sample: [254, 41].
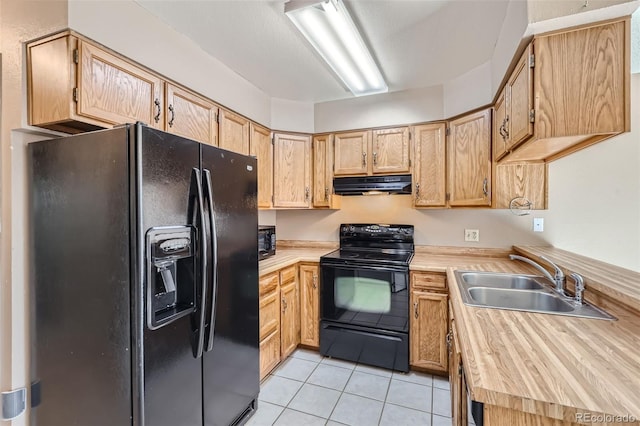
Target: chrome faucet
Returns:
[558, 279]
[579, 287]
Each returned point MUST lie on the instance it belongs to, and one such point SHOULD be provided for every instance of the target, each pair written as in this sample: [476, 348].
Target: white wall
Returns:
[468, 91]
[541, 10]
[131, 30]
[513, 27]
[291, 116]
[498, 228]
[594, 197]
[386, 109]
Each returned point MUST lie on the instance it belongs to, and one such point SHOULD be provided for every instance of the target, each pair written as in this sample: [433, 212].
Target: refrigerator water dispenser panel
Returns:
[170, 274]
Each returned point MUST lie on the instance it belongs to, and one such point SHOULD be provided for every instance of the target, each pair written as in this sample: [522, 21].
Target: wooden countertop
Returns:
[551, 365]
[290, 256]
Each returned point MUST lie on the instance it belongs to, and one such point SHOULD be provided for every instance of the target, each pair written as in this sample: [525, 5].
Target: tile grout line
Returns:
[298, 391]
[341, 393]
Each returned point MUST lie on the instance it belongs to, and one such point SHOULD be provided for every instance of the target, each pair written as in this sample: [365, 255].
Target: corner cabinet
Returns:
[429, 166]
[75, 86]
[292, 170]
[310, 305]
[568, 91]
[469, 160]
[261, 147]
[428, 322]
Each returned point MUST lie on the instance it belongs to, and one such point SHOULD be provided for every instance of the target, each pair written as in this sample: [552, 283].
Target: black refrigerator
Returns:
[144, 281]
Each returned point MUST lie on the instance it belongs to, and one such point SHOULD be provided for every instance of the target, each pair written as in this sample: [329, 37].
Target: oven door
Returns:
[366, 296]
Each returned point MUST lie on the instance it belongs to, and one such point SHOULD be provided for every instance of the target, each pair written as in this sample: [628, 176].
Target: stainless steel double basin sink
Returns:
[518, 292]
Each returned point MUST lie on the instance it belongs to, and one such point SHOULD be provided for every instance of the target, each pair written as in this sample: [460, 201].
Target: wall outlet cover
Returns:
[472, 235]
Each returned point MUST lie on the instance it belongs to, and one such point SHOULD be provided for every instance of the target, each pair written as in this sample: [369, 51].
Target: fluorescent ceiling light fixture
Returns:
[329, 28]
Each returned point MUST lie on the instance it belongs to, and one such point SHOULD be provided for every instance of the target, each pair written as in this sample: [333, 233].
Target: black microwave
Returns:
[266, 241]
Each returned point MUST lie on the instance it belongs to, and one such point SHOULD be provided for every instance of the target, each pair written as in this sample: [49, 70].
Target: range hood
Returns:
[371, 185]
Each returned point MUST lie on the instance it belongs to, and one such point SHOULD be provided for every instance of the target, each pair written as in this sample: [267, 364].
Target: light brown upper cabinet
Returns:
[578, 94]
[323, 172]
[429, 173]
[371, 152]
[522, 183]
[499, 133]
[469, 160]
[292, 170]
[234, 132]
[262, 148]
[76, 86]
[350, 155]
[190, 115]
[390, 151]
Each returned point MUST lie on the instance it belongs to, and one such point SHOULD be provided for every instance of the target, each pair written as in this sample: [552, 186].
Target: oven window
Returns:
[362, 294]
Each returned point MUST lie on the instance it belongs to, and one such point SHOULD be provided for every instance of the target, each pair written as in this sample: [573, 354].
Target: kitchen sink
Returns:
[524, 300]
[488, 279]
[517, 292]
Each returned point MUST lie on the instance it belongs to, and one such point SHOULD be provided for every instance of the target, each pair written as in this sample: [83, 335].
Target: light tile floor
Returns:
[308, 389]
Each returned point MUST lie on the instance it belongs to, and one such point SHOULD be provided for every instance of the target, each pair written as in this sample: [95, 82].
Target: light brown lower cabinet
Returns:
[269, 353]
[310, 305]
[290, 315]
[456, 380]
[428, 323]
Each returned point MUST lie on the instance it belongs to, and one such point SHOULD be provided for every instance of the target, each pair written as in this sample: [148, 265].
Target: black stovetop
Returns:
[374, 244]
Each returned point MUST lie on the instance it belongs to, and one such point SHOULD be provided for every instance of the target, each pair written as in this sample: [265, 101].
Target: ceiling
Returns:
[417, 43]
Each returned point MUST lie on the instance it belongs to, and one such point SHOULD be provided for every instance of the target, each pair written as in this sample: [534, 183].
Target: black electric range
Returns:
[364, 290]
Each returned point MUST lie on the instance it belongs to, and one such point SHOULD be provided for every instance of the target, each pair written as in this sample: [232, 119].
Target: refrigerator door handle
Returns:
[203, 262]
[214, 269]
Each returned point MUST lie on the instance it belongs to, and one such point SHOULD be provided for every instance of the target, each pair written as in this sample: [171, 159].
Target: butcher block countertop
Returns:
[550, 365]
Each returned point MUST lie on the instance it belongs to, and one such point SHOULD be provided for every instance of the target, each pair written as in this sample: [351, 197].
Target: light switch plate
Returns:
[538, 224]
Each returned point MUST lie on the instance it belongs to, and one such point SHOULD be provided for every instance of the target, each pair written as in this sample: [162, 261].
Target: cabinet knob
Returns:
[364, 159]
[156, 118]
[173, 115]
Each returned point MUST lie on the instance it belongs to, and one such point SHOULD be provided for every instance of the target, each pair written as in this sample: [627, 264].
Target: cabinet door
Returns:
[262, 149]
[234, 132]
[115, 91]
[269, 313]
[516, 180]
[350, 155]
[429, 174]
[309, 305]
[269, 353]
[390, 151]
[520, 101]
[428, 327]
[292, 171]
[322, 170]
[458, 385]
[469, 160]
[290, 320]
[500, 126]
[190, 115]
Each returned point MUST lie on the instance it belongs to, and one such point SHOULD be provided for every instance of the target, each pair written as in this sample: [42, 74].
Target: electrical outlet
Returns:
[472, 235]
[538, 224]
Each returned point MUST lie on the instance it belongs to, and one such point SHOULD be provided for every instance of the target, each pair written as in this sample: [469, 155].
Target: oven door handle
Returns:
[354, 267]
[364, 333]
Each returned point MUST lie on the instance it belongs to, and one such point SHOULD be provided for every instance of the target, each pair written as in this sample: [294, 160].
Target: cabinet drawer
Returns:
[268, 283]
[269, 353]
[287, 275]
[269, 313]
[428, 281]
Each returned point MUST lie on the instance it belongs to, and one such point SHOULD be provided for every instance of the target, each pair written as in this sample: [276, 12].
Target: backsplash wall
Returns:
[442, 227]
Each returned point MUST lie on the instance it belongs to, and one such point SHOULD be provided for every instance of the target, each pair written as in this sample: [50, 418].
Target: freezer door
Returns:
[169, 245]
[80, 274]
[231, 361]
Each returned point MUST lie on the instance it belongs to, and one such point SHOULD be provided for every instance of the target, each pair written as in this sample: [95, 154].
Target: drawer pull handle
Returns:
[415, 309]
